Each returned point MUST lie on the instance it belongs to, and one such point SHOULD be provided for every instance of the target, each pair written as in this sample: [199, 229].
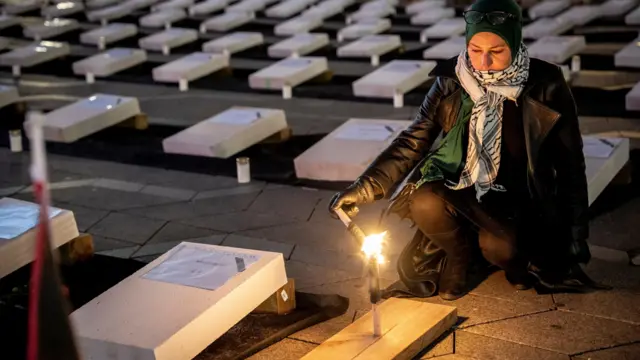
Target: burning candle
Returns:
[372, 248]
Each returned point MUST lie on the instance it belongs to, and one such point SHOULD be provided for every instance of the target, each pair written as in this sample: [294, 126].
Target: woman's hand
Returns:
[362, 191]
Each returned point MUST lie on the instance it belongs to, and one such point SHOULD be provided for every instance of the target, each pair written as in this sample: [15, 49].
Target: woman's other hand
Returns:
[362, 191]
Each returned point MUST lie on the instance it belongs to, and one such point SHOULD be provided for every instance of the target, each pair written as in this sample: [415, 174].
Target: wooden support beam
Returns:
[279, 137]
[78, 249]
[138, 122]
[408, 326]
[281, 302]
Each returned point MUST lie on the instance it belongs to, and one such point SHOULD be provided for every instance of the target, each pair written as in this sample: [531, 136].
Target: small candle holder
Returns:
[243, 170]
[15, 140]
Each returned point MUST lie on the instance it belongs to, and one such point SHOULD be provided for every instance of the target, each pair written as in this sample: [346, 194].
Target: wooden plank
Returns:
[408, 326]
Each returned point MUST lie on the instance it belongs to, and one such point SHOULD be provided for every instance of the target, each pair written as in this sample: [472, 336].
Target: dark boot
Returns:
[453, 278]
[521, 280]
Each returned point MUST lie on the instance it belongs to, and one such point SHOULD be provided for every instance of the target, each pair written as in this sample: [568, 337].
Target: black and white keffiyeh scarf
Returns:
[488, 90]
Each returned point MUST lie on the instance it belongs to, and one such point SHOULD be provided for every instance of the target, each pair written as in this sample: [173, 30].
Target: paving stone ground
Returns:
[138, 212]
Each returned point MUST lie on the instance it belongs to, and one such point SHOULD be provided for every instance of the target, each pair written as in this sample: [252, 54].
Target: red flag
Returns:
[50, 336]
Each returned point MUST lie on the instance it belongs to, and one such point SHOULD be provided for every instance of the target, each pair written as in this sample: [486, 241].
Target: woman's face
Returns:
[488, 51]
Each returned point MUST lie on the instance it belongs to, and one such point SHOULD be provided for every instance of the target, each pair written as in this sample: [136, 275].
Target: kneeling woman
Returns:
[508, 176]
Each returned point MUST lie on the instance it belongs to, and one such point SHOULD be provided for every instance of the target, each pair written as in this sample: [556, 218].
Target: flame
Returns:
[372, 246]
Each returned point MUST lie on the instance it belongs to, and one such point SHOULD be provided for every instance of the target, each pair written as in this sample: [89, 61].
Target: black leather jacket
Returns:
[556, 164]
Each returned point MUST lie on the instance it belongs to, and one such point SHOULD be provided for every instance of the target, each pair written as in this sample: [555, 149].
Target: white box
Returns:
[189, 68]
[579, 15]
[545, 27]
[226, 22]
[297, 25]
[288, 73]
[604, 158]
[548, 8]
[145, 318]
[446, 49]
[432, 16]
[20, 7]
[247, 6]
[18, 221]
[109, 62]
[8, 95]
[109, 13]
[557, 49]
[108, 34]
[172, 4]
[364, 28]
[327, 9]
[371, 13]
[615, 8]
[633, 18]
[140, 4]
[377, 4]
[298, 45]
[346, 152]
[50, 28]
[88, 116]
[629, 56]
[394, 78]
[168, 39]
[35, 54]
[62, 9]
[233, 43]
[227, 133]
[444, 28]
[288, 8]
[632, 99]
[372, 46]
[8, 21]
[96, 4]
[207, 7]
[163, 18]
[420, 6]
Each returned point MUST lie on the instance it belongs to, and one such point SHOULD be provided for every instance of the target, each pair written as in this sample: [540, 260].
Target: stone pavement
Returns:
[139, 212]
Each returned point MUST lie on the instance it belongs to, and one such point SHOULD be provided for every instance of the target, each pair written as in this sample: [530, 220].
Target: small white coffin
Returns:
[557, 49]
[616, 8]
[21, 7]
[88, 116]
[18, 231]
[629, 56]
[633, 99]
[168, 39]
[8, 95]
[288, 8]
[444, 29]
[604, 158]
[298, 45]
[445, 49]
[346, 152]
[548, 8]
[247, 6]
[109, 62]
[545, 27]
[287, 73]
[103, 36]
[227, 133]
[633, 18]
[421, 6]
[189, 68]
[393, 80]
[324, 10]
[432, 16]
[62, 9]
[364, 28]
[140, 4]
[297, 25]
[207, 7]
[96, 4]
[8, 21]
[579, 15]
[371, 46]
[34, 54]
[110, 13]
[50, 28]
[178, 304]
[172, 4]
[377, 12]
[233, 43]
[162, 18]
[226, 22]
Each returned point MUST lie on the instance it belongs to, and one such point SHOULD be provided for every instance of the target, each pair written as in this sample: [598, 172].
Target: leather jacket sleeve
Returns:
[411, 145]
[569, 161]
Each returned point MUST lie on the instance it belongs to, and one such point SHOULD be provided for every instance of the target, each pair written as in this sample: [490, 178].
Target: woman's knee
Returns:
[424, 202]
[498, 250]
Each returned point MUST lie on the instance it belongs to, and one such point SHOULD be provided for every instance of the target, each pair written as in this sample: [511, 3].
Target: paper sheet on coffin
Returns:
[144, 317]
[18, 220]
[347, 151]
[227, 133]
[88, 116]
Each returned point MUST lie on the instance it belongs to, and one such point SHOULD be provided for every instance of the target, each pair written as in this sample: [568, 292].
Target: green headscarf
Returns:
[510, 30]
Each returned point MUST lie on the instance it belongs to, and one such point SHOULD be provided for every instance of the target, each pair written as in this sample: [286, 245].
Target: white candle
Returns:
[243, 170]
[15, 140]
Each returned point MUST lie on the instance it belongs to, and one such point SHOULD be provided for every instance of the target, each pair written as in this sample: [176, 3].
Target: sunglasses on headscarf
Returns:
[494, 17]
